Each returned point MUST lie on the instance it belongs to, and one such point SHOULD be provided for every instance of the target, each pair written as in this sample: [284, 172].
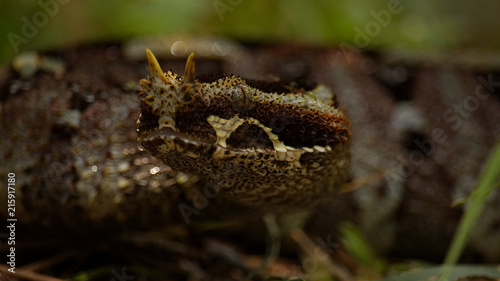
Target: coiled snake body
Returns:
[69, 135]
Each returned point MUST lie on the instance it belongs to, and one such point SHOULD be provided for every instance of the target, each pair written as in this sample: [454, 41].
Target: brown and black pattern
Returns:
[71, 140]
[275, 143]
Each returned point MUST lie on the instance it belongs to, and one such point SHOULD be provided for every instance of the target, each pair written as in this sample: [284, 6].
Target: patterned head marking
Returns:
[264, 144]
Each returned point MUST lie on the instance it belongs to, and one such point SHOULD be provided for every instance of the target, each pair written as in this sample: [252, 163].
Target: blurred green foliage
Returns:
[430, 25]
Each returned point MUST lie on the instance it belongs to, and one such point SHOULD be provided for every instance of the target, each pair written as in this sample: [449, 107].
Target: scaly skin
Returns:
[273, 150]
[70, 138]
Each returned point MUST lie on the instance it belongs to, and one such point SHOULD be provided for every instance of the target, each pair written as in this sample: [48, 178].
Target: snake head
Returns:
[264, 144]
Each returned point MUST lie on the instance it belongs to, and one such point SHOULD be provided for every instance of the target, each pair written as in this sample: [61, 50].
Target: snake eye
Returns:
[242, 97]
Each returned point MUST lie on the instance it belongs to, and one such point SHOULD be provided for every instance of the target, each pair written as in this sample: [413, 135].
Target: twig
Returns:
[45, 263]
[359, 182]
[312, 248]
[27, 274]
[273, 244]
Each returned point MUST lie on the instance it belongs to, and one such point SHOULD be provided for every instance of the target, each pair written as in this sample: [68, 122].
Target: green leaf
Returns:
[359, 248]
[487, 182]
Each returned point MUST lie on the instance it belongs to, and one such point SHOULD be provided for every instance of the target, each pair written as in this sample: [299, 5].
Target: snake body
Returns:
[70, 137]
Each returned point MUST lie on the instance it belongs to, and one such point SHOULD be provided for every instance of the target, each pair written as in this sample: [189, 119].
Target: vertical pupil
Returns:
[242, 101]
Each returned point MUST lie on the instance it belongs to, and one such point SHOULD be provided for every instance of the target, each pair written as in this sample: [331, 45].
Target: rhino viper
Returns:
[274, 150]
[423, 128]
